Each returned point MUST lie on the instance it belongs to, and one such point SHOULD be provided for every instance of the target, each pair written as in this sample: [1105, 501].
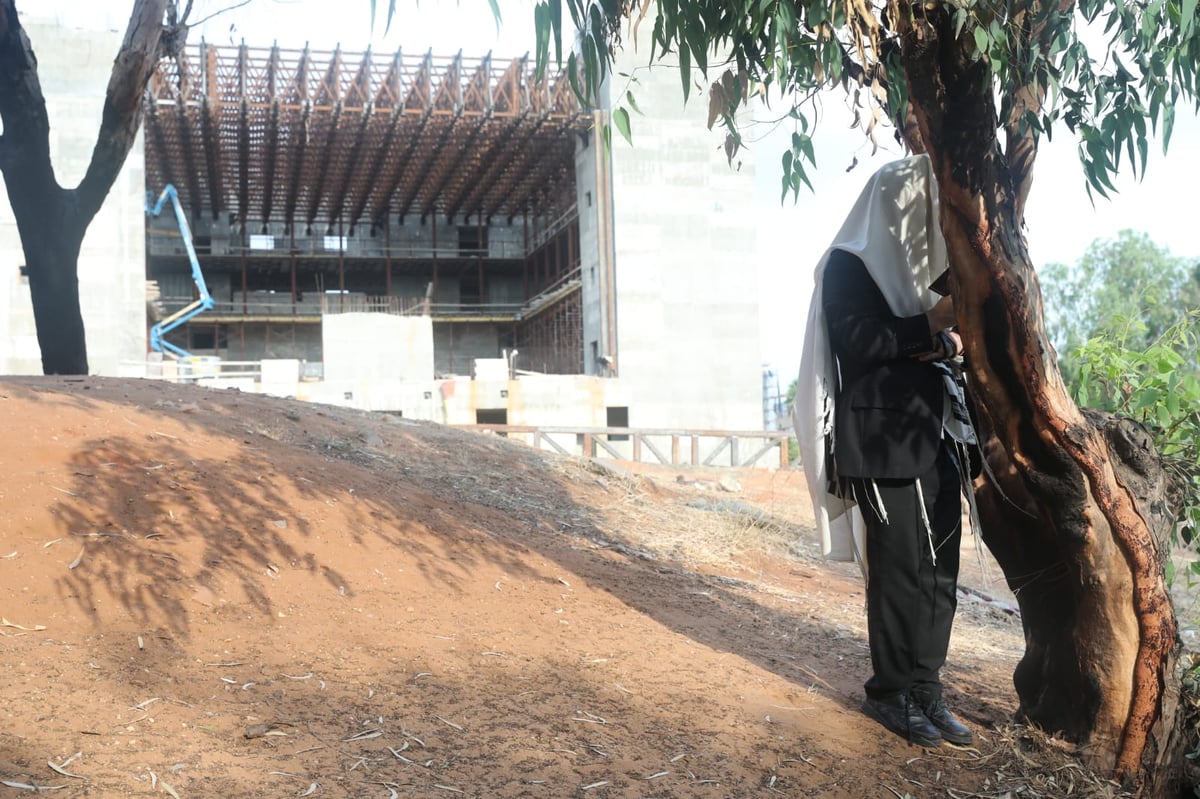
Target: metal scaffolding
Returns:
[552, 341]
[315, 139]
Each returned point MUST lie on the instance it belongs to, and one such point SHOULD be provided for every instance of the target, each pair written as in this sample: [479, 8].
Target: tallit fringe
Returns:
[925, 519]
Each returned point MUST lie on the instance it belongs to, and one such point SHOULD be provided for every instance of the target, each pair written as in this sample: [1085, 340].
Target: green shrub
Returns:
[1158, 385]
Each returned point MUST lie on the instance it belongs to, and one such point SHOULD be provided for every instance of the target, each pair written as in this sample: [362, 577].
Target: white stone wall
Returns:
[372, 346]
[687, 276]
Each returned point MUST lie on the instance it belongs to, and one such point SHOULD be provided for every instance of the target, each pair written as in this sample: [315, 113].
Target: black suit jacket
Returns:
[888, 421]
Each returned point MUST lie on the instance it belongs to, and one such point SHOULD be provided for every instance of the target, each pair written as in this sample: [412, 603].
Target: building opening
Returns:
[491, 416]
[617, 416]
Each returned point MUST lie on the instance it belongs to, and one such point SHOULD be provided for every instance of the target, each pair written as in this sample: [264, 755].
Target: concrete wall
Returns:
[593, 184]
[543, 400]
[74, 67]
[504, 240]
[412, 399]
[251, 342]
[687, 286]
[458, 345]
[364, 346]
[547, 400]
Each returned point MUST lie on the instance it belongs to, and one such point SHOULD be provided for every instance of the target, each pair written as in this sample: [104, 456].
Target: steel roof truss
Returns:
[265, 124]
[325, 154]
[377, 166]
[348, 167]
[297, 148]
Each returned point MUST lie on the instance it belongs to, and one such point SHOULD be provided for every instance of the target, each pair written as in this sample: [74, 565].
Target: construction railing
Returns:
[307, 248]
[258, 304]
[739, 448]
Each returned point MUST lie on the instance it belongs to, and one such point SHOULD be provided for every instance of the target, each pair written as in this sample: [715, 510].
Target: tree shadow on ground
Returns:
[151, 514]
[163, 513]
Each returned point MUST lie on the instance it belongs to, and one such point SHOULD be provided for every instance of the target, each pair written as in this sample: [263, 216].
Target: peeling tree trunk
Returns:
[1079, 683]
[1079, 528]
[52, 220]
[1078, 525]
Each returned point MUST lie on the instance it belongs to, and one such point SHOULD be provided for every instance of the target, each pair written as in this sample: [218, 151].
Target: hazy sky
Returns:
[1061, 220]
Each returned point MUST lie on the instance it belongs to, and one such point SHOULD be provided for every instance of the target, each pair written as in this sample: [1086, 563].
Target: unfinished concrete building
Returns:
[327, 183]
[444, 238]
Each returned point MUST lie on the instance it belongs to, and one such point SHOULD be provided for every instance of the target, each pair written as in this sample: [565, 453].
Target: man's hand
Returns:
[947, 345]
[941, 316]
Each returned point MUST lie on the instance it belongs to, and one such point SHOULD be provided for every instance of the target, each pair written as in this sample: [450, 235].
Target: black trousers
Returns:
[911, 593]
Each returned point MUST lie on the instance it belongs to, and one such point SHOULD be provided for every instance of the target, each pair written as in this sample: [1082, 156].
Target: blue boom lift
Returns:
[203, 303]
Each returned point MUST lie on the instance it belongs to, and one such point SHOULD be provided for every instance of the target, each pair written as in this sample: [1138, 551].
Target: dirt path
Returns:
[211, 594]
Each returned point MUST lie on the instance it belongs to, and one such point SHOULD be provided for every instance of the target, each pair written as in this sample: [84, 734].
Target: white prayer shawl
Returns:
[894, 228]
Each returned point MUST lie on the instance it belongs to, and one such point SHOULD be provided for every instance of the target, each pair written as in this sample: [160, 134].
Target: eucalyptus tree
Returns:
[51, 219]
[1076, 505]
[1126, 287]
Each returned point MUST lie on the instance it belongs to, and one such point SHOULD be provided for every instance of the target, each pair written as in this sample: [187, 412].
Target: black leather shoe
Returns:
[902, 716]
[951, 728]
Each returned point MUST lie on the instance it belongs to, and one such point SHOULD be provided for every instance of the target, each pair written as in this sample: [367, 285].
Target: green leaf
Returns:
[685, 70]
[799, 170]
[495, 6]
[803, 144]
[960, 19]
[787, 174]
[541, 21]
[621, 120]
[697, 42]
[555, 27]
[981, 41]
[632, 102]
[1129, 145]
[594, 53]
[391, 13]
[590, 68]
[573, 77]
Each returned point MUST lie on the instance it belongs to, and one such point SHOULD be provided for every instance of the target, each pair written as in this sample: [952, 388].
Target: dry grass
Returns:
[1025, 762]
[697, 522]
[705, 525]
[718, 533]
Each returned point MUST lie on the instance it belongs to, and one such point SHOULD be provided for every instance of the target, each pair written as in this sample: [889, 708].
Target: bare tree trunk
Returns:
[52, 221]
[1078, 528]
[52, 255]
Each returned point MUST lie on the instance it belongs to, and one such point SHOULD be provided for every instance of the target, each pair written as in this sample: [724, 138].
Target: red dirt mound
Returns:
[213, 594]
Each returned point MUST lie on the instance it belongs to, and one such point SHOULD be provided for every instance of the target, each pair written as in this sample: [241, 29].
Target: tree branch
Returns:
[217, 13]
[1021, 145]
[26, 140]
[123, 104]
